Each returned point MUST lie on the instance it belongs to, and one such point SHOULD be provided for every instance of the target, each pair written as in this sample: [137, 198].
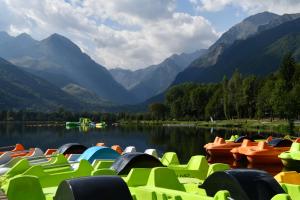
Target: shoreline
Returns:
[266, 125]
[248, 124]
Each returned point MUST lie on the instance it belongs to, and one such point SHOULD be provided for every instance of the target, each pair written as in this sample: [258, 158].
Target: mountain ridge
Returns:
[154, 79]
[217, 49]
[57, 54]
[22, 90]
[259, 54]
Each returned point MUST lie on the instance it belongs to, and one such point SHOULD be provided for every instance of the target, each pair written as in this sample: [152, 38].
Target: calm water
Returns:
[185, 141]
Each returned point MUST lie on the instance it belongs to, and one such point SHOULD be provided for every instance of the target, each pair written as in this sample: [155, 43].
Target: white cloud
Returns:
[250, 6]
[116, 33]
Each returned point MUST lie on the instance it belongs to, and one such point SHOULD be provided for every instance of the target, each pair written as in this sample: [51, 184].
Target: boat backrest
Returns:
[19, 147]
[129, 149]
[37, 152]
[269, 139]
[100, 144]
[233, 137]
[25, 187]
[220, 141]
[170, 158]
[164, 178]
[291, 177]
[263, 145]
[36, 170]
[197, 163]
[246, 143]
[295, 147]
[151, 152]
[102, 164]
[217, 167]
[58, 160]
[73, 157]
[20, 167]
[137, 177]
[216, 139]
[297, 140]
[50, 152]
[6, 157]
[84, 167]
[12, 162]
[117, 148]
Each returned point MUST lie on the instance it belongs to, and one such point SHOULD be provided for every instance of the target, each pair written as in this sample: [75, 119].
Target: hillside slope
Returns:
[22, 90]
[61, 62]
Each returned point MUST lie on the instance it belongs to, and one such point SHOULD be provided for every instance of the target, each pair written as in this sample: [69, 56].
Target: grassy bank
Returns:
[268, 125]
[35, 123]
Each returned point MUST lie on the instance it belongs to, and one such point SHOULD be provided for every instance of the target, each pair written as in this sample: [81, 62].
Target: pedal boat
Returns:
[291, 158]
[266, 153]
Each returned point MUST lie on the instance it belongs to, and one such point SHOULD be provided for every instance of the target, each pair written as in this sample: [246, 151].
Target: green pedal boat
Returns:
[290, 182]
[49, 178]
[158, 183]
[291, 158]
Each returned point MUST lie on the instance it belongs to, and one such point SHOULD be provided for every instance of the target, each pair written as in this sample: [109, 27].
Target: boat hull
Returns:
[291, 163]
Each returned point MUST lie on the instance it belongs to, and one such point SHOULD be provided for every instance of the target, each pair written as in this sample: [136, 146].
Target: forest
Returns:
[274, 96]
[247, 97]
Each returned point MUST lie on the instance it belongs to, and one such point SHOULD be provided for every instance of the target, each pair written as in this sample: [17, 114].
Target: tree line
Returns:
[274, 96]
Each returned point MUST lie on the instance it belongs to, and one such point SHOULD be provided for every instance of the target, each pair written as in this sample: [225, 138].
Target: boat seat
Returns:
[18, 168]
[37, 152]
[164, 178]
[197, 162]
[137, 177]
[5, 158]
[291, 177]
[291, 189]
[101, 164]
[164, 184]
[217, 167]
[84, 169]
[73, 157]
[25, 187]
[197, 167]
[12, 162]
[101, 172]
[170, 158]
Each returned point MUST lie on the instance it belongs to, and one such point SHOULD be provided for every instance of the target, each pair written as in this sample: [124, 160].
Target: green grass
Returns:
[277, 125]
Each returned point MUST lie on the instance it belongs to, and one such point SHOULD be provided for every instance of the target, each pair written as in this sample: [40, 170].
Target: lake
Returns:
[185, 141]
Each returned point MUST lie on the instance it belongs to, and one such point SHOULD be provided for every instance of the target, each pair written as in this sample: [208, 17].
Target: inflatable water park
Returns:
[85, 122]
[77, 172]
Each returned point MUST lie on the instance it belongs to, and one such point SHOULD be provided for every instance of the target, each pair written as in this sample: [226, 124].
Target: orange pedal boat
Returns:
[238, 152]
[15, 148]
[220, 147]
[266, 152]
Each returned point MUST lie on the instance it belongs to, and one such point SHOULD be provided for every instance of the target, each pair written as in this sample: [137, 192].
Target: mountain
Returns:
[259, 54]
[248, 28]
[152, 80]
[279, 20]
[240, 31]
[85, 96]
[61, 62]
[22, 90]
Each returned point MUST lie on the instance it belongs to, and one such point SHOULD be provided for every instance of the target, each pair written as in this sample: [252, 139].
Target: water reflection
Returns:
[186, 142]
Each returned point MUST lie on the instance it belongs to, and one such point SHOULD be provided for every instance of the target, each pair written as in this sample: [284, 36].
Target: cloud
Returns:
[116, 33]
[249, 6]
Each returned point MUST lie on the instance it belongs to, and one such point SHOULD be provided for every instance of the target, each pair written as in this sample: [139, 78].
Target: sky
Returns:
[133, 34]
